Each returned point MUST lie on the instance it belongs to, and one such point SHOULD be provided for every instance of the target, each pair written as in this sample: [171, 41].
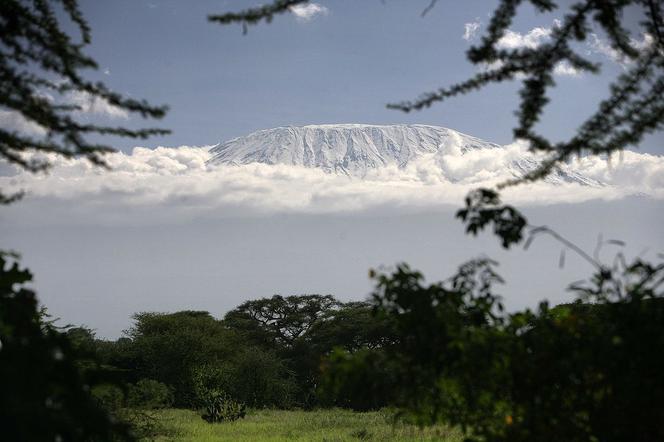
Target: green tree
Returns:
[148, 393]
[351, 327]
[253, 376]
[579, 372]
[168, 347]
[42, 82]
[44, 396]
[304, 329]
[280, 321]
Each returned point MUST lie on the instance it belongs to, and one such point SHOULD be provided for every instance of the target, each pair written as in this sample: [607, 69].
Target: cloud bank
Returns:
[179, 182]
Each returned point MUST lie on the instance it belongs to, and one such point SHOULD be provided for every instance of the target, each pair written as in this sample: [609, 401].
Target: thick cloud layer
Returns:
[179, 181]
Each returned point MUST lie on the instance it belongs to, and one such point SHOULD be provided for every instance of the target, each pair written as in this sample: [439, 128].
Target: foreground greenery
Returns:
[277, 425]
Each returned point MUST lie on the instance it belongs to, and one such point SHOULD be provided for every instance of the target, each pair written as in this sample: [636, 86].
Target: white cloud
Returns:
[306, 12]
[600, 46]
[470, 30]
[166, 183]
[14, 121]
[90, 104]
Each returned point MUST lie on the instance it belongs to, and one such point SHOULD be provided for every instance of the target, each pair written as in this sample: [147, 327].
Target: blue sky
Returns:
[338, 66]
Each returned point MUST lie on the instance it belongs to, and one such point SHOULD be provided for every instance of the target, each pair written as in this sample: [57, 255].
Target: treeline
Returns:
[269, 352]
[441, 352]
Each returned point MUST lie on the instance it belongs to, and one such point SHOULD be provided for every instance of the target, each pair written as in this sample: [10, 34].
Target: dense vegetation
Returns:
[577, 372]
[264, 353]
[438, 352]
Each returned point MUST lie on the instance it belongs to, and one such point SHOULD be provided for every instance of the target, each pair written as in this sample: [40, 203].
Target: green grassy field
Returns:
[277, 425]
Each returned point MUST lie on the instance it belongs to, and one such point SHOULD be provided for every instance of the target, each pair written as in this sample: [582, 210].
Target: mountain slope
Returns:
[357, 149]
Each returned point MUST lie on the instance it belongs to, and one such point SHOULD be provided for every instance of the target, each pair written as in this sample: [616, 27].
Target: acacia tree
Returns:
[280, 321]
[42, 86]
[42, 82]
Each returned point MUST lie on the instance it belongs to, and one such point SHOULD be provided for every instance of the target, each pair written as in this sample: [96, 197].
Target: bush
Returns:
[363, 380]
[148, 393]
[110, 397]
[580, 372]
[168, 347]
[260, 379]
[44, 395]
[254, 377]
[219, 407]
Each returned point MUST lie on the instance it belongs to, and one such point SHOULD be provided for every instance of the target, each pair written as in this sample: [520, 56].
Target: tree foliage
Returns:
[265, 353]
[169, 347]
[41, 79]
[281, 320]
[634, 107]
[44, 396]
[578, 372]
[254, 15]
[304, 329]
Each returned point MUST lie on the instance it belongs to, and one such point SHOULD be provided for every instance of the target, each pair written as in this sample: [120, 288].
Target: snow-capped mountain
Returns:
[357, 149]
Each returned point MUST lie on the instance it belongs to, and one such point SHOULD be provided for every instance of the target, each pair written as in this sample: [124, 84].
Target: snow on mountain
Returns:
[357, 150]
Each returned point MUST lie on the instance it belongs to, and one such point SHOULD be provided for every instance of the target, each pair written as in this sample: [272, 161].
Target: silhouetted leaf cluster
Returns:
[40, 70]
[634, 108]
[483, 208]
[45, 395]
[255, 15]
[583, 371]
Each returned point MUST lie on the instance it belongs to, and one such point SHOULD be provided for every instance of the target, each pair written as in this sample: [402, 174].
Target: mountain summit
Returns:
[356, 149]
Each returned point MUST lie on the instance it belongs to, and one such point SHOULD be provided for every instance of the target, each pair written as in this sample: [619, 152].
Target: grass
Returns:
[277, 425]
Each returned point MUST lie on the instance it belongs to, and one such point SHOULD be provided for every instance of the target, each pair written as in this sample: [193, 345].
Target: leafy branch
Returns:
[634, 108]
[40, 73]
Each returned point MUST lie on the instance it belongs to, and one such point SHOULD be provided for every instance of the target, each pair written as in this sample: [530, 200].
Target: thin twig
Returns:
[534, 230]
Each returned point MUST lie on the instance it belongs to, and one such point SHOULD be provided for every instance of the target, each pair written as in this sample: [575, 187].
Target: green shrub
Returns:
[219, 407]
[111, 397]
[148, 393]
[254, 377]
[587, 371]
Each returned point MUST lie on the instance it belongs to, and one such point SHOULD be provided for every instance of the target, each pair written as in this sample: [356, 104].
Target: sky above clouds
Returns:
[332, 61]
[163, 230]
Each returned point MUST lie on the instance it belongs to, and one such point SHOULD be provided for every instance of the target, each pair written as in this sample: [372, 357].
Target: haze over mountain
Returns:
[356, 150]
